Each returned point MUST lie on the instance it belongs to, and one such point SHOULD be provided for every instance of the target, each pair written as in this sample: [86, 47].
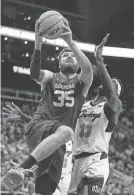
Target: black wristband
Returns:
[36, 54]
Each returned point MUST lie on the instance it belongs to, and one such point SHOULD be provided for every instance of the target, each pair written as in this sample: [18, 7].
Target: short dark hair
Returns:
[122, 88]
[67, 49]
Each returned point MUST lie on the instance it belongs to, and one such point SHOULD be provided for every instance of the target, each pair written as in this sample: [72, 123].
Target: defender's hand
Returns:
[11, 112]
[67, 33]
[99, 48]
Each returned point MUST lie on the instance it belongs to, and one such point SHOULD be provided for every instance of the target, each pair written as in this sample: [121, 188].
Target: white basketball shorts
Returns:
[92, 170]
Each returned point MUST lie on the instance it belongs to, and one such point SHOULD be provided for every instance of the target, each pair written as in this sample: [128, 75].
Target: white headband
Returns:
[119, 86]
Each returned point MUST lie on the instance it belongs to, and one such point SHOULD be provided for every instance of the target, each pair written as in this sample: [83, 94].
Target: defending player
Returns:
[52, 125]
[94, 127]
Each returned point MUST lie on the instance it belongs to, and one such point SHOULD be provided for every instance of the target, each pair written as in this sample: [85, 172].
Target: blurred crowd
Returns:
[121, 151]
[121, 155]
[13, 145]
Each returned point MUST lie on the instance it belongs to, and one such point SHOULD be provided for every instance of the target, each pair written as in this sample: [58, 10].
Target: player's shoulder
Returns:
[45, 77]
[87, 104]
[48, 73]
[101, 104]
[90, 105]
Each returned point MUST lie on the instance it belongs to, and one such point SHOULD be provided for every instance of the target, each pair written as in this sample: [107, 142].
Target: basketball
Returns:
[50, 24]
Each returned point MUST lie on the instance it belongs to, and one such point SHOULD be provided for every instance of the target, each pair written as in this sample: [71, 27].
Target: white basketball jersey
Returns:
[93, 130]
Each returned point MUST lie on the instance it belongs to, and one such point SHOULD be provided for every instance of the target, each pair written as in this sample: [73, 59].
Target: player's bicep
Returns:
[114, 104]
[45, 76]
[86, 80]
[112, 111]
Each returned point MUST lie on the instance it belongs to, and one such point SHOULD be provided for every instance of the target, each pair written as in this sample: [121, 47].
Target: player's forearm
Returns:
[25, 117]
[35, 65]
[126, 180]
[81, 58]
[105, 79]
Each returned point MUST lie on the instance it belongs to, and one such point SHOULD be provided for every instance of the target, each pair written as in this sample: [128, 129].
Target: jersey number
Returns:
[64, 98]
[85, 130]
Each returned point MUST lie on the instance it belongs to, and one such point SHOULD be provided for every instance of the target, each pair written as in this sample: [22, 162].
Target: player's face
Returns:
[68, 63]
[101, 91]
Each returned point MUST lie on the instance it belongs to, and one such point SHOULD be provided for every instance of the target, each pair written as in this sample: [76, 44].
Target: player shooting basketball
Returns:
[94, 128]
[98, 143]
[53, 123]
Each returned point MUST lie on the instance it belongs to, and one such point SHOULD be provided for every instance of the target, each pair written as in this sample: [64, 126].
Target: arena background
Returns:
[89, 20]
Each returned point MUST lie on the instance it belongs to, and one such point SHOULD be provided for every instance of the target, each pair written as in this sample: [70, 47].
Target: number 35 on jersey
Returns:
[64, 98]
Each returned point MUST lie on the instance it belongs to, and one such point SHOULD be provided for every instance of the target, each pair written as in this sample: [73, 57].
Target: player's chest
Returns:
[64, 94]
[89, 121]
[91, 114]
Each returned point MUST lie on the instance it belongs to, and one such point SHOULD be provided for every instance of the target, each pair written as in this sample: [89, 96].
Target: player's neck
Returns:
[68, 76]
[98, 99]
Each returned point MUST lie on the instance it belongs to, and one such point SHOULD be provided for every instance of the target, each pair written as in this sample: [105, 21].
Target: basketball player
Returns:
[94, 127]
[53, 123]
[14, 113]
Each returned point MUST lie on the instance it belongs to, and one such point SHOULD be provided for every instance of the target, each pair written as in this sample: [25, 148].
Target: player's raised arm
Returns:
[40, 76]
[86, 75]
[106, 81]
